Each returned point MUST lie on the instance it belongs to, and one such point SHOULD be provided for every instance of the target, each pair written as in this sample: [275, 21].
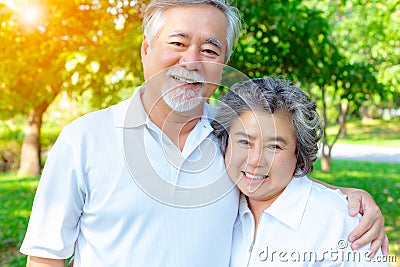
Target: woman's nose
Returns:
[257, 157]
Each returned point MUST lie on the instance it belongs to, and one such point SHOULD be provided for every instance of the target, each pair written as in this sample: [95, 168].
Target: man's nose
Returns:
[191, 59]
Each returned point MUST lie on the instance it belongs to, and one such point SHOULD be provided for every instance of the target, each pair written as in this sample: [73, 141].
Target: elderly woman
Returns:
[269, 131]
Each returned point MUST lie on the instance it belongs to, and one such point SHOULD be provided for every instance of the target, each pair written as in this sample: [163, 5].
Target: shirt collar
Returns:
[243, 206]
[130, 113]
[289, 207]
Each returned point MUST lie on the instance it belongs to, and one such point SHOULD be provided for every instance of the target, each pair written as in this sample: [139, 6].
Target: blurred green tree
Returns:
[367, 33]
[49, 46]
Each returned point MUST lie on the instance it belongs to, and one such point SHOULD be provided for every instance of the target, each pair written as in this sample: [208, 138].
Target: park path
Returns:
[366, 153]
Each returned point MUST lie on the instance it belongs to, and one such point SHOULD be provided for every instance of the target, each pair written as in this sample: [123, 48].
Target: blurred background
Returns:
[62, 59]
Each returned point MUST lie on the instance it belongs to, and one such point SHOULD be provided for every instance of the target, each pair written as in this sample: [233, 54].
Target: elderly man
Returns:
[128, 185]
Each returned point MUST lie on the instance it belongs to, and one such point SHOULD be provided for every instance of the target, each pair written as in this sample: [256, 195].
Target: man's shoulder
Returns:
[99, 120]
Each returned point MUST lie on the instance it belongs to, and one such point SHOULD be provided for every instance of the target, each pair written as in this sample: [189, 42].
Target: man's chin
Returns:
[183, 108]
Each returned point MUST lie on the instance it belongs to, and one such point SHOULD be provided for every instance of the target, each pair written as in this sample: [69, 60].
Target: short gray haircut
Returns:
[274, 94]
[153, 19]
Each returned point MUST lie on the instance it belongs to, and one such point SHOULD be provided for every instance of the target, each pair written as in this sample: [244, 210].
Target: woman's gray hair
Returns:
[274, 94]
[153, 19]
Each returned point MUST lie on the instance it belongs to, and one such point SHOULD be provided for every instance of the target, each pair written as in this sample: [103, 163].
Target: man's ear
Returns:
[145, 46]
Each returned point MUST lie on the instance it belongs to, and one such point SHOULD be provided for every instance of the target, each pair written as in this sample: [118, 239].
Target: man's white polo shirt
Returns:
[307, 225]
[87, 194]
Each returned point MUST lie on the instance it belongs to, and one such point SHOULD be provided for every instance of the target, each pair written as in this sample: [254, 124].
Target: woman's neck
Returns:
[257, 207]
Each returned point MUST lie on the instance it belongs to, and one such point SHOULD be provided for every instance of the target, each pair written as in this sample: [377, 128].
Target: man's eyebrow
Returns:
[215, 42]
[211, 40]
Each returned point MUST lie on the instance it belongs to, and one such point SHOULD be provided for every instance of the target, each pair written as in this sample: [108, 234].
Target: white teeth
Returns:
[256, 177]
[182, 79]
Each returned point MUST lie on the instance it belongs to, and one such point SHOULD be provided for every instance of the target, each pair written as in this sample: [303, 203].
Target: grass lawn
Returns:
[380, 179]
[371, 132]
[16, 197]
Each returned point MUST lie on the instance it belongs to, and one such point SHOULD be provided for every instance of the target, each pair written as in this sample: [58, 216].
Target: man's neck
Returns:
[176, 125]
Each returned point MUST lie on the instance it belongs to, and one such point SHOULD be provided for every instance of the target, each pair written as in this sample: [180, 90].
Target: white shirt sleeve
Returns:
[54, 223]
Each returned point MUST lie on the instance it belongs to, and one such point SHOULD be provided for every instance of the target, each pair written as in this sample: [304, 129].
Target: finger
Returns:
[385, 246]
[363, 227]
[354, 204]
[377, 244]
[375, 235]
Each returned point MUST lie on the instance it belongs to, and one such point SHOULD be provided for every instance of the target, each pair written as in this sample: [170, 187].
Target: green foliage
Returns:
[366, 33]
[51, 46]
[285, 37]
[324, 44]
[374, 40]
[11, 130]
[73, 46]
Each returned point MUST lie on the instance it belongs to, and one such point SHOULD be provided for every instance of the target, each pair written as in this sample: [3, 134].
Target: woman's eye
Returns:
[244, 142]
[274, 146]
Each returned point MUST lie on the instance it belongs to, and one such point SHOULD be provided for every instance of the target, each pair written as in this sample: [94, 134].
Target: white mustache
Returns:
[185, 75]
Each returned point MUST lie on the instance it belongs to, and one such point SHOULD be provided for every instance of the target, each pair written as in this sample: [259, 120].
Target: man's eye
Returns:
[210, 52]
[177, 44]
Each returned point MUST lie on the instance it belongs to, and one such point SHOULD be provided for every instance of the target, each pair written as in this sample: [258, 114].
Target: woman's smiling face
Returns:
[261, 153]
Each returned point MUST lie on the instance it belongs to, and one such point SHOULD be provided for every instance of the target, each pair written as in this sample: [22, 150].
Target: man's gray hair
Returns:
[274, 94]
[153, 19]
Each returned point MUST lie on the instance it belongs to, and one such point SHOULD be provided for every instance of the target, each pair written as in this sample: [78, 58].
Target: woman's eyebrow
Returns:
[241, 134]
[277, 139]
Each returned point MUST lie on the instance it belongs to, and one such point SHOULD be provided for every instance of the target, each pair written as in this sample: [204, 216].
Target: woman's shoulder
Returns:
[331, 202]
